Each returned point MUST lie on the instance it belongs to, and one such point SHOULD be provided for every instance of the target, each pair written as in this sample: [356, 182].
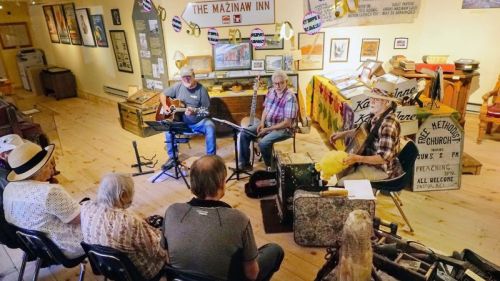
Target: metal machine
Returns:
[26, 58]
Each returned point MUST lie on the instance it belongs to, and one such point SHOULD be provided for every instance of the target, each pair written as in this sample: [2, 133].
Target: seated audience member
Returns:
[206, 235]
[31, 202]
[107, 222]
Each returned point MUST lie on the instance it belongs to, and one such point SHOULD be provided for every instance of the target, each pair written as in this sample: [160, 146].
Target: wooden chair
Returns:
[490, 111]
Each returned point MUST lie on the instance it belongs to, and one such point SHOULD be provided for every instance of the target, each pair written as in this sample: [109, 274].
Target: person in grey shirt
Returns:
[207, 236]
[195, 97]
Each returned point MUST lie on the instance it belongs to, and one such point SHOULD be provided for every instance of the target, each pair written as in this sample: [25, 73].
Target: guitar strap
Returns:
[374, 130]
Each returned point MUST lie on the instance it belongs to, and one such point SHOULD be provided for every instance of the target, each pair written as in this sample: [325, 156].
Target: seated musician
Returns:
[379, 159]
[194, 96]
[276, 123]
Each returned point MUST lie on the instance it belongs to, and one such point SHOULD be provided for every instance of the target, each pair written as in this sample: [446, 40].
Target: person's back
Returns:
[208, 236]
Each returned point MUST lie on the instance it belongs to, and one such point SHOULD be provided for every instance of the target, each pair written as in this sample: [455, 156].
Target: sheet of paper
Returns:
[359, 189]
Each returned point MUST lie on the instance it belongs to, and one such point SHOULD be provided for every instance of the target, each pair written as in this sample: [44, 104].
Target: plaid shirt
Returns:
[386, 144]
[280, 108]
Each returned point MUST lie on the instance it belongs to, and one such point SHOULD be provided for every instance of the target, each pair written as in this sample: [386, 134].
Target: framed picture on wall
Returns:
[272, 43]
[339, 49]
[274, 63]
[99, 30]
[71, 22]
[200, 64]
[115, 15]
[14, 35]
[51, 24]
[312, 49]
[400, 43]
[369, 49]
[258, 64]
[229, 56]
[62, 29]
[82, 15]
[120, 48]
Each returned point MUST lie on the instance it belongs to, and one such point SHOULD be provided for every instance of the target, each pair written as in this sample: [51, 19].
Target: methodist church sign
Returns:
[229, 13]
[440, 142]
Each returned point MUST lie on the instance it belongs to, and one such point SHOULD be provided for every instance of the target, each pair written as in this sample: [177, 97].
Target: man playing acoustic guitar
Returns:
[378, 160]
[195, 97]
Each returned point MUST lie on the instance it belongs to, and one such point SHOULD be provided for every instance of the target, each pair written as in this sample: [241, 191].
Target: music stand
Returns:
[236, 129]
[173, 128]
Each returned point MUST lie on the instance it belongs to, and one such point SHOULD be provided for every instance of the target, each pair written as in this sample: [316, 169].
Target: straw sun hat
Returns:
[27, 159]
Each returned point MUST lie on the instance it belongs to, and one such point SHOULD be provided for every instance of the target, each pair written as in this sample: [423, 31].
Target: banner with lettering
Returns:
[229, 13]
[440, 142]
[363, 12]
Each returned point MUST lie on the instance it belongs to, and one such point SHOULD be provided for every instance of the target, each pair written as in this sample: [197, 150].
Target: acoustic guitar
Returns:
[251, 120]
[176, 106]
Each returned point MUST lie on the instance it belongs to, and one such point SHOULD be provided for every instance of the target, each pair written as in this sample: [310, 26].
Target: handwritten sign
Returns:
[312, 23]
[440, 146]
[230, 13]
[361, 106]
[257, 37]
[213, 36]
[406, 90]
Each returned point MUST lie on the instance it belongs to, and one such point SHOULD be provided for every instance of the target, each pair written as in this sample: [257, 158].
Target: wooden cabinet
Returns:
[58, 82]
[456, 88]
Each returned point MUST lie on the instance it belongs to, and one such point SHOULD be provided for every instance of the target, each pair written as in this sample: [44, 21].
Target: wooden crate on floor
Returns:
[470, 165]
[132, 119]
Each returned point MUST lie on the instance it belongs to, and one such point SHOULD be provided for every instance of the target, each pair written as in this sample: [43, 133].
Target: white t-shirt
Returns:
[47, 208]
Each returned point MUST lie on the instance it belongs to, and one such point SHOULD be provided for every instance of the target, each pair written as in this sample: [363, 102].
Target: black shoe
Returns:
[245, 168]
[168, 165]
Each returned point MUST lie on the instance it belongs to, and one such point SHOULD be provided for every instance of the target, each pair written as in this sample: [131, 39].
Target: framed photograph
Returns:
[71, 22]
[339, 49]
[229, 56]
[82, 15]
[400, 43]
[312, 49]
[14, 35]
[62, 29]
[200, 64]
[120, 48]
[274, 63]
[480, 4]
[369, 49]
[99, 30]
[258, 64]
[51, 24]
[115, 15]
[272, 43]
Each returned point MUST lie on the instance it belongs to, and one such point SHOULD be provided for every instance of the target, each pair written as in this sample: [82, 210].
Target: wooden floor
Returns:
[90, 143]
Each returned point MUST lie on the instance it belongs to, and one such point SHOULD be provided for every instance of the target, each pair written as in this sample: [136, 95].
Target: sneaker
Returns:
[245, 168]
[168, 165]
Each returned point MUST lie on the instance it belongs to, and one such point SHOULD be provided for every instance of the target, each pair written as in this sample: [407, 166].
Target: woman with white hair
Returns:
[107, 222]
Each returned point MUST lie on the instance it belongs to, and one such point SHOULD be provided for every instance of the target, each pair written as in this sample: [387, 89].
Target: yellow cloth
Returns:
[332, 163]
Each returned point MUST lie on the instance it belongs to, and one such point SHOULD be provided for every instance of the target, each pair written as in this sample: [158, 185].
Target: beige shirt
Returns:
[122, 230]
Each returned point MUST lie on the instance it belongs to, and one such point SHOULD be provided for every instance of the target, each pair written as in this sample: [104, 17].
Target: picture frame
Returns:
[312, 50]
[14, 35]
[200, 64]
[115, 16]
[62, 29]
[274, 62]
[85, 27]
[99, 31]
[479, 4]
[272, 44]
[229, 56]
[258, 65]
[120, 48]
[72, 24]
[369, 49]
[339, 49]
[51, 23]
[400, 43]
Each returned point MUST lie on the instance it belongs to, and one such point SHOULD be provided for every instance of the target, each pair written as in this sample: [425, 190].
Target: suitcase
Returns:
[294, 170]
[318, 221]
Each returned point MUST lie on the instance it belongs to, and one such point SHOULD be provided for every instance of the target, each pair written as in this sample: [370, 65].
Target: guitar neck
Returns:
[253, 108]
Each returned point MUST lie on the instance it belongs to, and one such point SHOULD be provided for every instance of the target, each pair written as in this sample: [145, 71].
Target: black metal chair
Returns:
[391, 187]
[175, 274]
[9, 238]
[47, 252]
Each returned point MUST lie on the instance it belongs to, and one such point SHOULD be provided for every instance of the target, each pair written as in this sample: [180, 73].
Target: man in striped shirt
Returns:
[276, 123]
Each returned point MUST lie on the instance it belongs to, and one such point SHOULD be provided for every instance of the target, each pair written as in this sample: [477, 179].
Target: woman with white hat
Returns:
[32, 202]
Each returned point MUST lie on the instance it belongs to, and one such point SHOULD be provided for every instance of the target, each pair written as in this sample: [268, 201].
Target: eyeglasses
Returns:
[279, 83]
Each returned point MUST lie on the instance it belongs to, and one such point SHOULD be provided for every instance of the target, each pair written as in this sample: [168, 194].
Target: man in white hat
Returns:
[32, 202]
[379, 159]
[195, 97]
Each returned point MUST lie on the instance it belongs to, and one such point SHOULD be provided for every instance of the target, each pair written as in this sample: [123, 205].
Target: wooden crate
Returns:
[470, 165]
[132, 119]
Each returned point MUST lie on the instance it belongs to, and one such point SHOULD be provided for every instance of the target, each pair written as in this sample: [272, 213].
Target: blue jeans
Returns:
[205, 127]
[265, 144]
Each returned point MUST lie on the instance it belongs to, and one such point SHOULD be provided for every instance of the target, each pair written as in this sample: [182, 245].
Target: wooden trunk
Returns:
[132, 118]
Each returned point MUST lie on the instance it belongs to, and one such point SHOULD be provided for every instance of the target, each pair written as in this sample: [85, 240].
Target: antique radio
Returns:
[294, 170]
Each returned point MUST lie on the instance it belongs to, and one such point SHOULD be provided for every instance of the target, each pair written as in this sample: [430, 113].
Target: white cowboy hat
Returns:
[27, 159]
[382, 90]
[9, 142]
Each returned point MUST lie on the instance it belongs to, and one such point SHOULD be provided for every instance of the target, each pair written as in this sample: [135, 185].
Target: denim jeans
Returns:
[265, 144]
[205, 127]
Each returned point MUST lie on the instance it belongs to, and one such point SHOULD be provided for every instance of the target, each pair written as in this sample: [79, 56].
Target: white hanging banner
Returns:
[363, 12]
[229, 13]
